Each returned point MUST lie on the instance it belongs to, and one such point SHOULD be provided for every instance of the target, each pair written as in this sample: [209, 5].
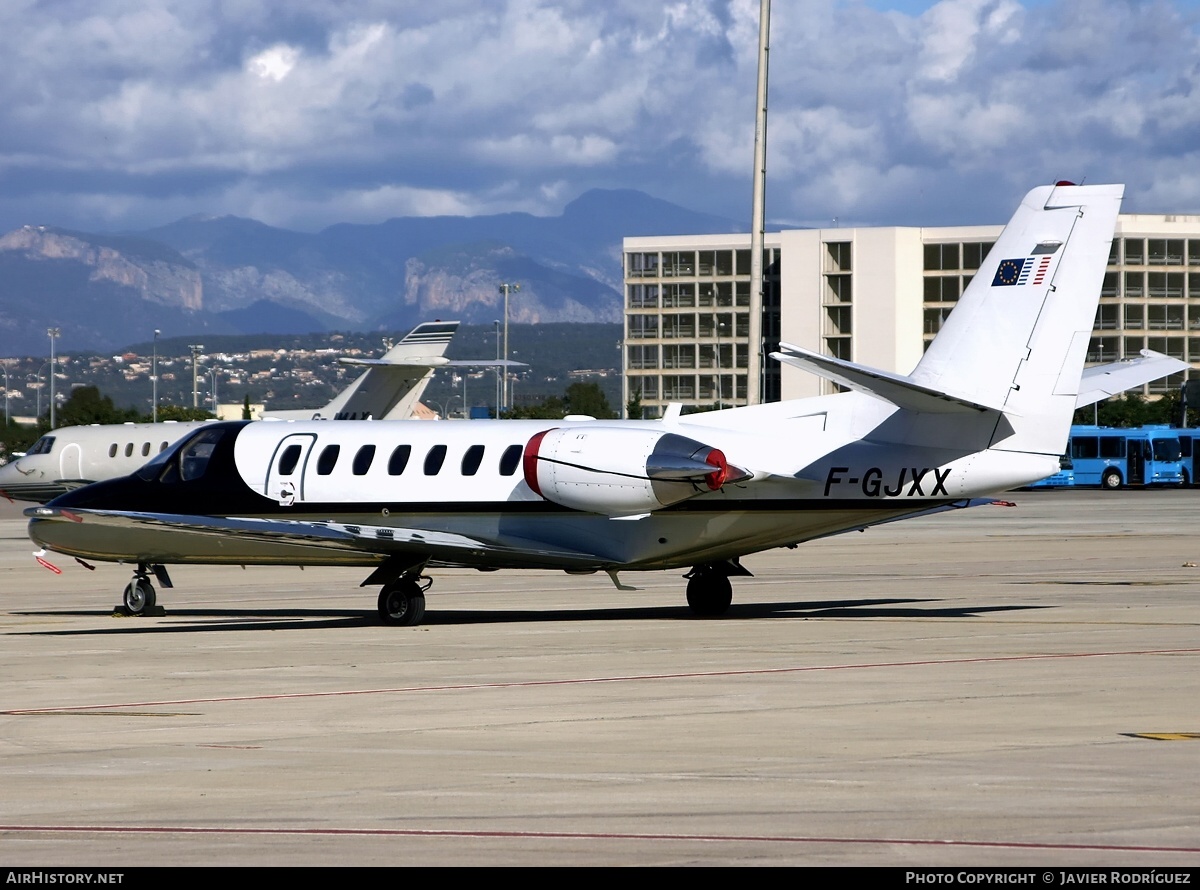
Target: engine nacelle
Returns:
[622, 472]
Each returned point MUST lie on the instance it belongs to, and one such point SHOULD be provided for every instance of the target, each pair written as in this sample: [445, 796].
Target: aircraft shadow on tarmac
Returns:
[210, 620]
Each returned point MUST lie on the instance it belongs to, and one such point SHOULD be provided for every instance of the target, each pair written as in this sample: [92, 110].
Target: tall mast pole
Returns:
[758, 213]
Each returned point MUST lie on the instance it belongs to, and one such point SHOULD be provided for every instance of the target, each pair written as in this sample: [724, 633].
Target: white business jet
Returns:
[988, 408]
[70, 457]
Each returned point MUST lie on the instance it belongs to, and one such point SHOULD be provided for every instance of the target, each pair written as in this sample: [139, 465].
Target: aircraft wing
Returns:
[237, 537]
[1103, 381]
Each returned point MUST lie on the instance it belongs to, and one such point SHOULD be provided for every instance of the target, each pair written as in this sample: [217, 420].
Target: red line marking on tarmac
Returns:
[579, 835]
[527, 684]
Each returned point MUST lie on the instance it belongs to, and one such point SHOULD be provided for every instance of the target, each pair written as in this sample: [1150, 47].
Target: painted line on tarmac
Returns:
[578, 835]
[576, 681]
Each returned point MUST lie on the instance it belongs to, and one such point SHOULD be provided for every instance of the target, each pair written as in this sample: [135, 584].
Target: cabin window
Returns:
[162, 447]
[145, 449]
[327, 459]
[434, 460]
[289, 459]
[129, 449]
[471, 460]
[399, 459]
[510, 460]
[112, 450]
[362, 460]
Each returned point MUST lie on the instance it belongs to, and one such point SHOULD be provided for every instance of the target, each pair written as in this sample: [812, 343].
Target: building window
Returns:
[941, 289]
[642, 265]
[643, 327]
[679, 296]
[1135, 317]
[643, 296]
[1135, 251]
[837, 288]
[837, 256]
[679, 264]
[643, 357]
[1135, 284]
[974, 253]
[941, 257]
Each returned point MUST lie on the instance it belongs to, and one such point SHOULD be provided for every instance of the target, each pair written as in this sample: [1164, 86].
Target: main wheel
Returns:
[139, 596]
[708, 594]
[1111, 480]
[401, 603]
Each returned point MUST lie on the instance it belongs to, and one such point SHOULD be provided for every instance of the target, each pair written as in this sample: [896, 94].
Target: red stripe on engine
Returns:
[530, 459]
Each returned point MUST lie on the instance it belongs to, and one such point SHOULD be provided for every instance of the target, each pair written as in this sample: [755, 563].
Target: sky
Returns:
[120, 115]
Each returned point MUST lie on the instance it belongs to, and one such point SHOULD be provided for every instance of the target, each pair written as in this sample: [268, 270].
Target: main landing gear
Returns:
[709, 592]
[402, 601]
[139, 597]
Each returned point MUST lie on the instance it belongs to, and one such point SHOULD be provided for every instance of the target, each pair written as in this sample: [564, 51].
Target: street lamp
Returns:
[54, 334]
[154, 379]
[195, 348]
[506, 289]
[213, 373]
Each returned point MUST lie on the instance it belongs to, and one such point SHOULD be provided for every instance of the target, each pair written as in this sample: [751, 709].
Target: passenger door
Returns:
[285, 478]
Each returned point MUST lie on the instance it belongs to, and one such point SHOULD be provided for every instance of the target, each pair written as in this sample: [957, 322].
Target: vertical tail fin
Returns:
[392, 385]
[1019, 335]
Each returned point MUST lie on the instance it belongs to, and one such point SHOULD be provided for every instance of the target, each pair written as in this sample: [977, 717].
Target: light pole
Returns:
[6, 393]
[213, 373]
[154, 380]
[506, 289]
[719, 388]
[496, 331]
[54, 334]
[195, 348]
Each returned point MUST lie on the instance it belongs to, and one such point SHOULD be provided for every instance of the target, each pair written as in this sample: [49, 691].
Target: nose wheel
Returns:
[139, 597]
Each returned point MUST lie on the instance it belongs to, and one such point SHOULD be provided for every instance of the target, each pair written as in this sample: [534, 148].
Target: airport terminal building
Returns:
[875, 295]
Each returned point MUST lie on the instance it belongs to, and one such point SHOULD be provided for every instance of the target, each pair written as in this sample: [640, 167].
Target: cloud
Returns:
[122, 114]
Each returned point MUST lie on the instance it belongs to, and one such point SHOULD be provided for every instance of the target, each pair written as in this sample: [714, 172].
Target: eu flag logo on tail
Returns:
[1009, 272]
[1023, 270]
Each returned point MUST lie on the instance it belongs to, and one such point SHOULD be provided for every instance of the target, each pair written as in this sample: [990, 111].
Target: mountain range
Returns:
[234, 275]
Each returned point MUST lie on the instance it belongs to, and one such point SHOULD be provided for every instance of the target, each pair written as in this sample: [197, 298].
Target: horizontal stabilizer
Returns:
[1103, 381]
[415, 362]
[897, 389]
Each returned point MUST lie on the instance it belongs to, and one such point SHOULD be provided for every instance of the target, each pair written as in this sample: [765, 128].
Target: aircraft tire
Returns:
[401, 604]
[709, 595]
[1111, 480]
[139, 597]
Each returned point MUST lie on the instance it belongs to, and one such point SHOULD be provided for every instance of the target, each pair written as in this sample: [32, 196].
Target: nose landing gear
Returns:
[139, 597]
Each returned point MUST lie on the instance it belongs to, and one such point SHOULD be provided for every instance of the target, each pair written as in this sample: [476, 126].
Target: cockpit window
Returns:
[193, 459]
[41, 446]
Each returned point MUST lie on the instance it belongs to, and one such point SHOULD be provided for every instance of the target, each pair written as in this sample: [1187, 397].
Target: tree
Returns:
[633, 408]
[588, 398]
[246, 408]
[86, 405]
[183, 412]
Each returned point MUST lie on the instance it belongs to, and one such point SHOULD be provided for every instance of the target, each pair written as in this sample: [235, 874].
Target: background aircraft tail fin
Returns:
[1019, 335]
